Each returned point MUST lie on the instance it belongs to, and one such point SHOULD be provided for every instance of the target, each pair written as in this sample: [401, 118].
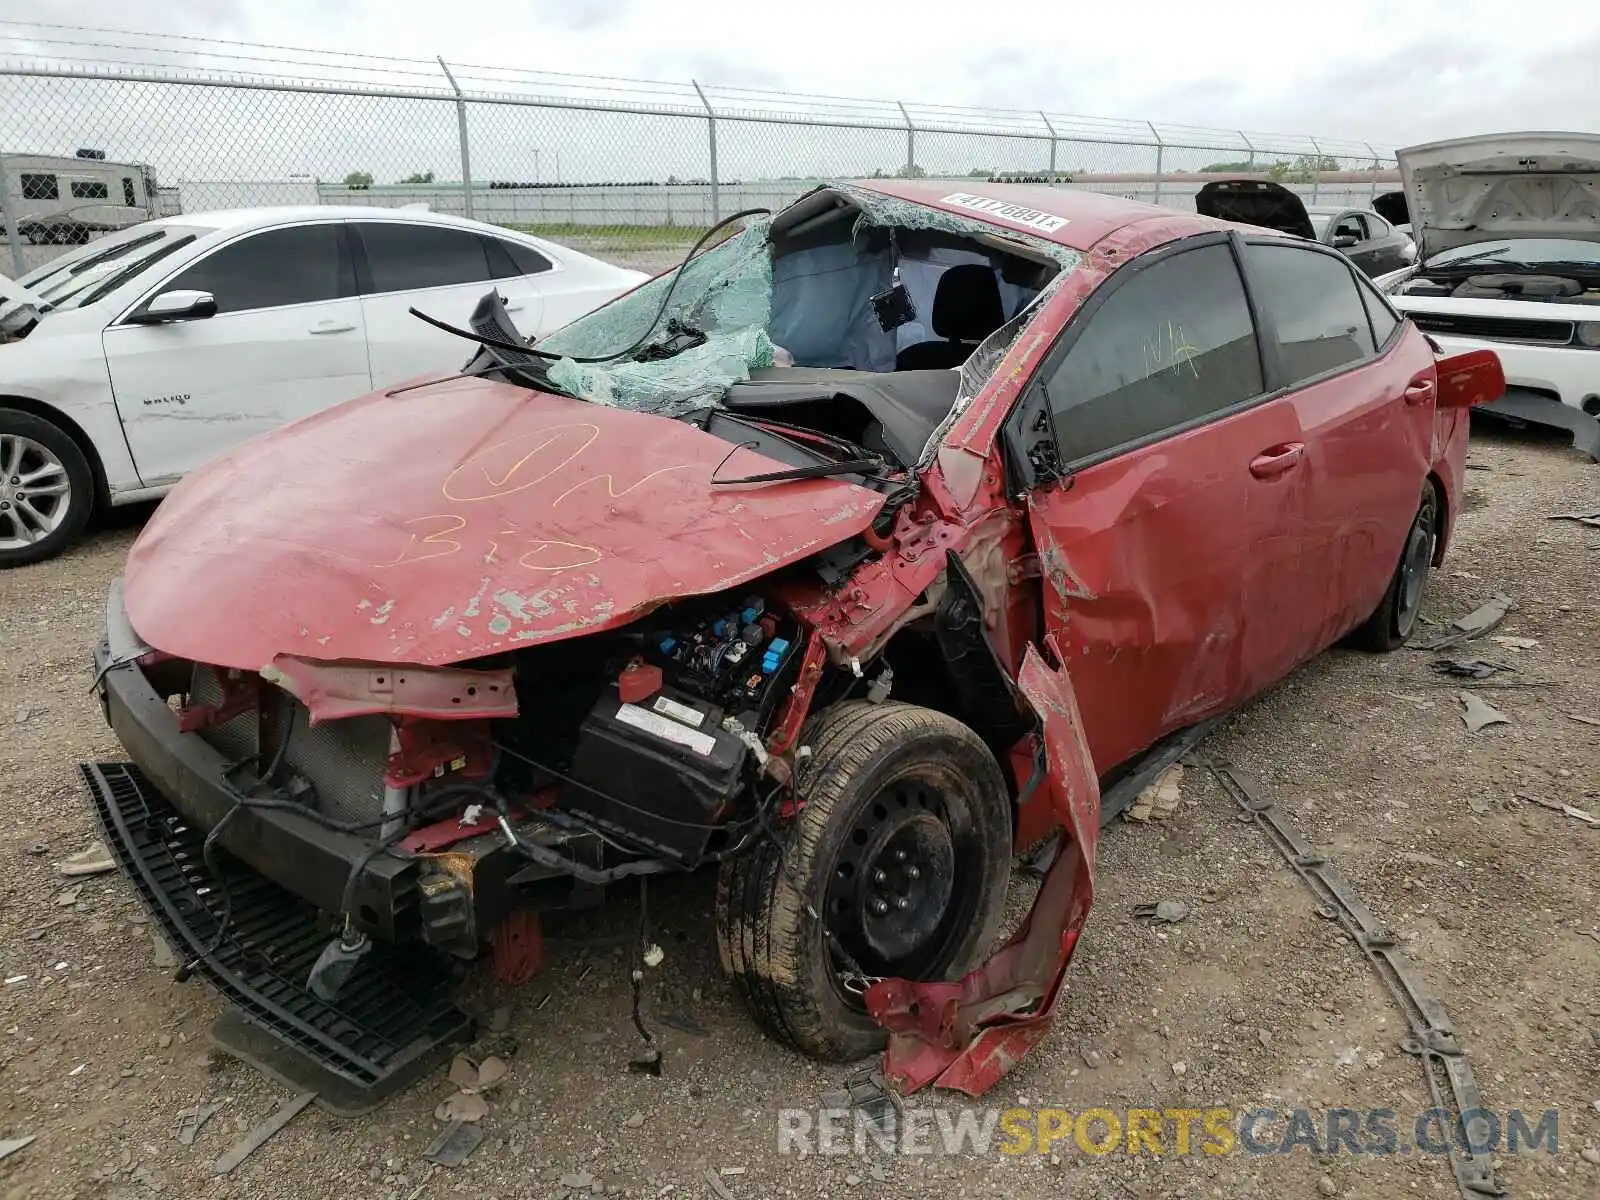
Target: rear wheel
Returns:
[903, 848]
[46, 489]
[1396, 618]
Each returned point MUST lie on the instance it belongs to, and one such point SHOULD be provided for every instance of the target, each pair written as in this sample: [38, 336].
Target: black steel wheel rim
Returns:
[906, 882]
[1414, 567]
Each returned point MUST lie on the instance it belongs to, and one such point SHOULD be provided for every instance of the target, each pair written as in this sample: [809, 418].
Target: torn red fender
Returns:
[965, 1036]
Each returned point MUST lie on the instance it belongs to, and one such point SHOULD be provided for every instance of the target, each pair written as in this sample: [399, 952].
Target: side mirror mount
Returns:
[176, 306]
[1470, 379]
[1343, 241]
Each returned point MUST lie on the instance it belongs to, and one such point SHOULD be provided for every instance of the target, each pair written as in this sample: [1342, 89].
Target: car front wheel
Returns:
[896, 865]
[46, 489]
[1392, 624]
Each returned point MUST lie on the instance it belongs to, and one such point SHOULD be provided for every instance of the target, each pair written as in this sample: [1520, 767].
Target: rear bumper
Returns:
[1535, 408]
[296, 852]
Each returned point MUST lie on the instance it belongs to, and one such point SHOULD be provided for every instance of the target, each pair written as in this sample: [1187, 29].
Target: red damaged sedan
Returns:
[873, 545]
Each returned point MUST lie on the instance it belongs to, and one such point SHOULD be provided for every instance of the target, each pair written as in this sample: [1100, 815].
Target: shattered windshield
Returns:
[802, 294]
[724, 294]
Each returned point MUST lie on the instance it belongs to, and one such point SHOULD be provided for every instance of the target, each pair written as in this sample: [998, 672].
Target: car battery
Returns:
[652, 773]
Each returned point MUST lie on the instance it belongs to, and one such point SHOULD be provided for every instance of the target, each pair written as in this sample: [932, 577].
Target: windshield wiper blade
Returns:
[854, 466]
[1475, 256]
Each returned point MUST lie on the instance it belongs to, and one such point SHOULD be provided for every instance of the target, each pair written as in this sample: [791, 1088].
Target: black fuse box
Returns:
[658, 769]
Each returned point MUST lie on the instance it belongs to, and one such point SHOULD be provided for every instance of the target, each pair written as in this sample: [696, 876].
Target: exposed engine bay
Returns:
[1559, 289]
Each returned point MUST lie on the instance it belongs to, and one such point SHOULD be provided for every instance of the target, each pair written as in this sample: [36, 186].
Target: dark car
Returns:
[1364, 237]
[1047, 479]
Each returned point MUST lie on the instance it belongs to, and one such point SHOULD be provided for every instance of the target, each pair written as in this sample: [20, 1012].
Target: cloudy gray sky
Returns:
[1391, 74]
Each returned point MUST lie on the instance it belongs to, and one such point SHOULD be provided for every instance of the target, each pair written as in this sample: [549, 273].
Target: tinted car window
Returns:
[1171, 345]
[406, 257]
[1384, 322]
[279, 266]
[508, 259]
[1312, 303]
[1351, 225]
[40, 187]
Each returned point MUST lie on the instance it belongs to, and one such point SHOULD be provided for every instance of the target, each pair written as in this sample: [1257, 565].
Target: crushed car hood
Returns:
[1255, 202]
[1478, 189]
[460, 520]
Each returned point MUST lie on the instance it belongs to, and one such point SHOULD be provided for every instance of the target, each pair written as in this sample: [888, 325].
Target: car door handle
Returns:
[1269, 464]
[1419, 391]
[330, 327]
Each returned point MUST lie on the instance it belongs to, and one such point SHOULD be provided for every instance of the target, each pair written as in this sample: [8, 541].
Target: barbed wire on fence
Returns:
[181, 123]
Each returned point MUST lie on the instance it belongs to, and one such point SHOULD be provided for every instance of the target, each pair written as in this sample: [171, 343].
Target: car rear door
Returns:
[1361, 383]
[441, 270]
[1170, 527]
[287, 340]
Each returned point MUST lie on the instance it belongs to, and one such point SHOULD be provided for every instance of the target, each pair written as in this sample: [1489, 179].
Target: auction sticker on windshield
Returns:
[1033, 218]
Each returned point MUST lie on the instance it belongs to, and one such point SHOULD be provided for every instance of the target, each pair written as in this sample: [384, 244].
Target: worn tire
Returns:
[865, 759]
[80, 478]
[1392, 624]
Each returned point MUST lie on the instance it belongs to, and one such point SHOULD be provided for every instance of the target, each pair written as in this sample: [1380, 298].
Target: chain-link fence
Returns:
[102, 129]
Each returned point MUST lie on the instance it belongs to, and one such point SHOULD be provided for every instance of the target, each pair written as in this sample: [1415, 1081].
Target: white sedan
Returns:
[126, 363]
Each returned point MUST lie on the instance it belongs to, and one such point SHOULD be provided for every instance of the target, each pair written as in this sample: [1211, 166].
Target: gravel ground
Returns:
[1254, 995]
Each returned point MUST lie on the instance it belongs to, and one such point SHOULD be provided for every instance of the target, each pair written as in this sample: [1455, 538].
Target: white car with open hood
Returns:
[127, 362]
[1508, 258]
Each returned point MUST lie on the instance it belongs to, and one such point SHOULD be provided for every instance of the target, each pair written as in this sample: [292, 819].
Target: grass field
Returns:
[616, 237]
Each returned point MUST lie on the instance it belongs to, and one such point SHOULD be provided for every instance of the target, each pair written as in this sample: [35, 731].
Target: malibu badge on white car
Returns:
[128, 362]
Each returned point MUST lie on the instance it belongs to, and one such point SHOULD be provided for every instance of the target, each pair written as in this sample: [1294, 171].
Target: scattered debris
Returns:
[500, 1019]
[25, 714]
[10, 1146]
[1590, 1155]
[1161, 799]
[634, 1120]
[258, 1137]
[1327, 1187]
[69, 896]
[1479, 715]
[462, 1106]
[1093, 1059]
[94, 859]
[1170, 911]
[576, 1181]
[1180, 1069]
[1583, 720]
[684, 1023]
[165, 958]
[190, 1121]
[1566, 810]
[455, 1141]
[36, 849]
[1591, 519]
[866, 1093]
[1515, 643]
[1475, 624]
[733, 1170]
[473, 1077]
[1468, 668]
[1478, 804]
[717, 1186]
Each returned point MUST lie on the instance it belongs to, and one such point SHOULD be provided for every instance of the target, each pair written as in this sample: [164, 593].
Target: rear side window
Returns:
[1309, 301]
[509, 259]
[40, 187]
[404, 257]
[1384, 322]
[299, 265]
[1172, 345]
[90, 191]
